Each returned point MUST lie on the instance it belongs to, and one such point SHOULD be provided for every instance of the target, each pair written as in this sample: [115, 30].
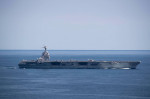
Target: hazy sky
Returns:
[75, 24]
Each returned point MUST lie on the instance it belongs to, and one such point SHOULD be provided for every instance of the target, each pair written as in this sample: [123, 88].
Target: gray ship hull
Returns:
[79, 64]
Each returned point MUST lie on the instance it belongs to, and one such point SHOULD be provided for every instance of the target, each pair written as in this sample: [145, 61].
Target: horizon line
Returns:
[75, 50]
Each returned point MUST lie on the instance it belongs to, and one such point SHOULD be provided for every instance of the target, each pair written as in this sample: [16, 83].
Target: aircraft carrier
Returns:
[44, 63]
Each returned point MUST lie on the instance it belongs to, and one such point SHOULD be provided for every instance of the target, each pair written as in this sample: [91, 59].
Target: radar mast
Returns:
[45, 48]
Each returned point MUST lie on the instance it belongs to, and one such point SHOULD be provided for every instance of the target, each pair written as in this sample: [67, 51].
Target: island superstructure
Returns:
[44, 62]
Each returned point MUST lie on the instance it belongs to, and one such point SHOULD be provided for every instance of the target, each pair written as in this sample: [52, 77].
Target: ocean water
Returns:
[18, 83]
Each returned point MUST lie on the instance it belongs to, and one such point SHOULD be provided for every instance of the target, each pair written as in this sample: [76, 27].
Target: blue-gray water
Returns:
[74, 83]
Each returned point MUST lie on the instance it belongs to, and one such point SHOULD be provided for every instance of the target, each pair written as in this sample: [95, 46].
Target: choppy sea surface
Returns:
[18, 83]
